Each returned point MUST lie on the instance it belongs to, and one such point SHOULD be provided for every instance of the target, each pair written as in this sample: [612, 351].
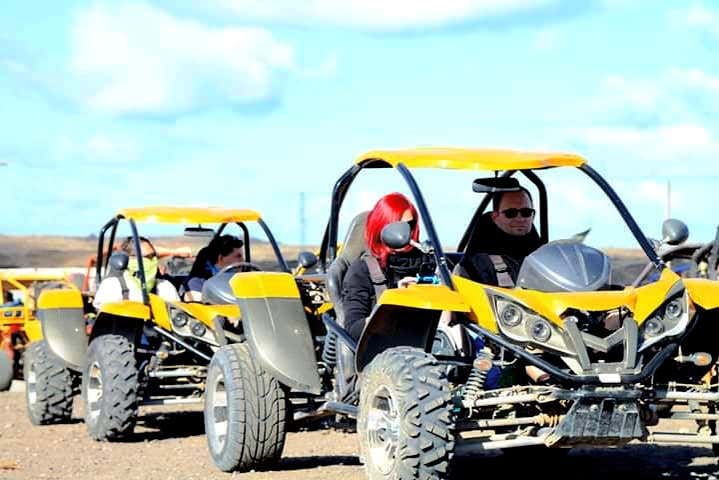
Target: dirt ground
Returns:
[172, 446]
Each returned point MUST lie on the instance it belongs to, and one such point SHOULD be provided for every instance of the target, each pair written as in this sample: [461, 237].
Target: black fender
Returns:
[63, 325]
[106, 323]
[276, 328]
[396, 326]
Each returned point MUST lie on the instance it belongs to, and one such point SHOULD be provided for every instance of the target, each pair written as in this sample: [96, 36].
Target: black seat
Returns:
[353, 247]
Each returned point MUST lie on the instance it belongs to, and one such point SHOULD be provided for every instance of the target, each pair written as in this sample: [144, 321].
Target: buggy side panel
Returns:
[63, 325]
[430, 297]
[703, 292]
[126, 308]
[276, 328]
[207, 313]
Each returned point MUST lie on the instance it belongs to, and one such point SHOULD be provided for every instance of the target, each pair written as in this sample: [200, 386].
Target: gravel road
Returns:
[172, 446]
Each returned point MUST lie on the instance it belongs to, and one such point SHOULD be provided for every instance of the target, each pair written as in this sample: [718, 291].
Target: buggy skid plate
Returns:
[600, 421]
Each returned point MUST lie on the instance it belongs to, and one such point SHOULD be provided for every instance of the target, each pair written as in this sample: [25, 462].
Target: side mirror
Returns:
[307, 259]
[396, 235]
[119, 261]
[674, 231]
[495, 184]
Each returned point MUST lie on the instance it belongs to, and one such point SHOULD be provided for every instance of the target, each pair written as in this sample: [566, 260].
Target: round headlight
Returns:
[540, 330]
[653, 327]
[510, 315]
[198, 329]
[179, 319]
[674, 309]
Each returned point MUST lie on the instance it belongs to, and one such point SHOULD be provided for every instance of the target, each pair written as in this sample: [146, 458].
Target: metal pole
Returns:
[303, 222]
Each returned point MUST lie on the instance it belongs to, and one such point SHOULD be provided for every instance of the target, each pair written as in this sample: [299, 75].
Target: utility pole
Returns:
[669, 199]
[303, 222]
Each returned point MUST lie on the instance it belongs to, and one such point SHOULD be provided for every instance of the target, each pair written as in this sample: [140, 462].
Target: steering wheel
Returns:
[239, 267]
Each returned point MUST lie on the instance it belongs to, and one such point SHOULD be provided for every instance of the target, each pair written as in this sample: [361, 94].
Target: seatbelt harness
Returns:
[504, 279]
[123, 286]
[376, 275]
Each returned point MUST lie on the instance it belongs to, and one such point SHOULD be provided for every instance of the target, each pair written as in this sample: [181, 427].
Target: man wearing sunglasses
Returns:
[513, 212]
[507, 231]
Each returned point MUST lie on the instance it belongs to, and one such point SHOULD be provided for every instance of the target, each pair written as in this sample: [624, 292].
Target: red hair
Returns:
[388, 209]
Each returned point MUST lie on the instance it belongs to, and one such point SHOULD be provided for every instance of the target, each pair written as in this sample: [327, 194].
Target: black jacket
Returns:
[358, 293]
[488, 238]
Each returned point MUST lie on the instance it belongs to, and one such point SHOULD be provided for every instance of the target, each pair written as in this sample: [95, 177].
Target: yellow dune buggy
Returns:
[607, 360]
[148, 350]
[18, 324]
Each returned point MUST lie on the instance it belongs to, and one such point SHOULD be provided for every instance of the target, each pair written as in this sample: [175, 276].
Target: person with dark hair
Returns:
[10, 300]
[502, 239]
[380, 267]
[219, 253]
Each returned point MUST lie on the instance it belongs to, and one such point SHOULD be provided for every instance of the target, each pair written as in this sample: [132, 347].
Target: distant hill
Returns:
[59, 251]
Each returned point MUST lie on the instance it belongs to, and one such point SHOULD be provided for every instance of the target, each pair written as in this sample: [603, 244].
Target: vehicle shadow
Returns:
[631, 461]
[309, 462]
[165, 425]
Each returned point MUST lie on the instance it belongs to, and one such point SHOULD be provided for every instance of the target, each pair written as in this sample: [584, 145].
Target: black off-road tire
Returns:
[6, 371]
[254, 411]
[48, 386]
[113, 415]
[419, 391]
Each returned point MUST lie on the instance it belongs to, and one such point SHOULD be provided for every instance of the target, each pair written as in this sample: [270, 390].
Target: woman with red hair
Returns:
[380, 267]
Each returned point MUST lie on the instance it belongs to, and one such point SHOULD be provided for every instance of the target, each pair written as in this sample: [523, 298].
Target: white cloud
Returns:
[676, 96]
[700, 18]
[397, 15]
[135, 59]
[688, 150]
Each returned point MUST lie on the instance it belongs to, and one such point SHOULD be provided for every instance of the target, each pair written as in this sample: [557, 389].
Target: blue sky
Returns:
[247, 103]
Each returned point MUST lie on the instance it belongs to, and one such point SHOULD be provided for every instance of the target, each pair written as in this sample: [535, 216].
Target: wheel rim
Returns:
[31, 385]
[217, 413]
[383, 425]
[94, 390]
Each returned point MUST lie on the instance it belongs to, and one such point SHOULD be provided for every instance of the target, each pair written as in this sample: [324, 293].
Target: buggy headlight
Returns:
[669, 320]
[198, 329]
[541, 330]
[510, 315]
[522, 324]
[179, 318]
[653, 327]
[674, 309]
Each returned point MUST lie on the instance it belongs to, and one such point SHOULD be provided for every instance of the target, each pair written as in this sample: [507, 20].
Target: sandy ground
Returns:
[172, 446]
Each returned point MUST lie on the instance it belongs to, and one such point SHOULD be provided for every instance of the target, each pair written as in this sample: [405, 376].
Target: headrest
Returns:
[355, 243]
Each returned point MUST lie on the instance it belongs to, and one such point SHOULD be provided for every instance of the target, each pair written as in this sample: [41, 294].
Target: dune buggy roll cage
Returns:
[328, 250]
[136, 240]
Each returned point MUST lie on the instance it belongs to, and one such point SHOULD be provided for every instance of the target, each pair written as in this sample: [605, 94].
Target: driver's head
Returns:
[226, 249]
[513, 212]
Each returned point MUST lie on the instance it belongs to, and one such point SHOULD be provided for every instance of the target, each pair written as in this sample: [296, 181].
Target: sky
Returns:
[256, 104]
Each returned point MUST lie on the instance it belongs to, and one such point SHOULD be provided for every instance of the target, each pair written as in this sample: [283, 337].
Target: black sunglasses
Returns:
[412, 223]
[525, 212]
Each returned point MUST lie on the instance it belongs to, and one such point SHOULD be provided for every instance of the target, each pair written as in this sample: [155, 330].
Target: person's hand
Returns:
[406, 282]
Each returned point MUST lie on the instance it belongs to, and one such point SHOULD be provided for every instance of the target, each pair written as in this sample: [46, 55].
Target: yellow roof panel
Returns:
[33, 275]
[472, 159]
[189, 215]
